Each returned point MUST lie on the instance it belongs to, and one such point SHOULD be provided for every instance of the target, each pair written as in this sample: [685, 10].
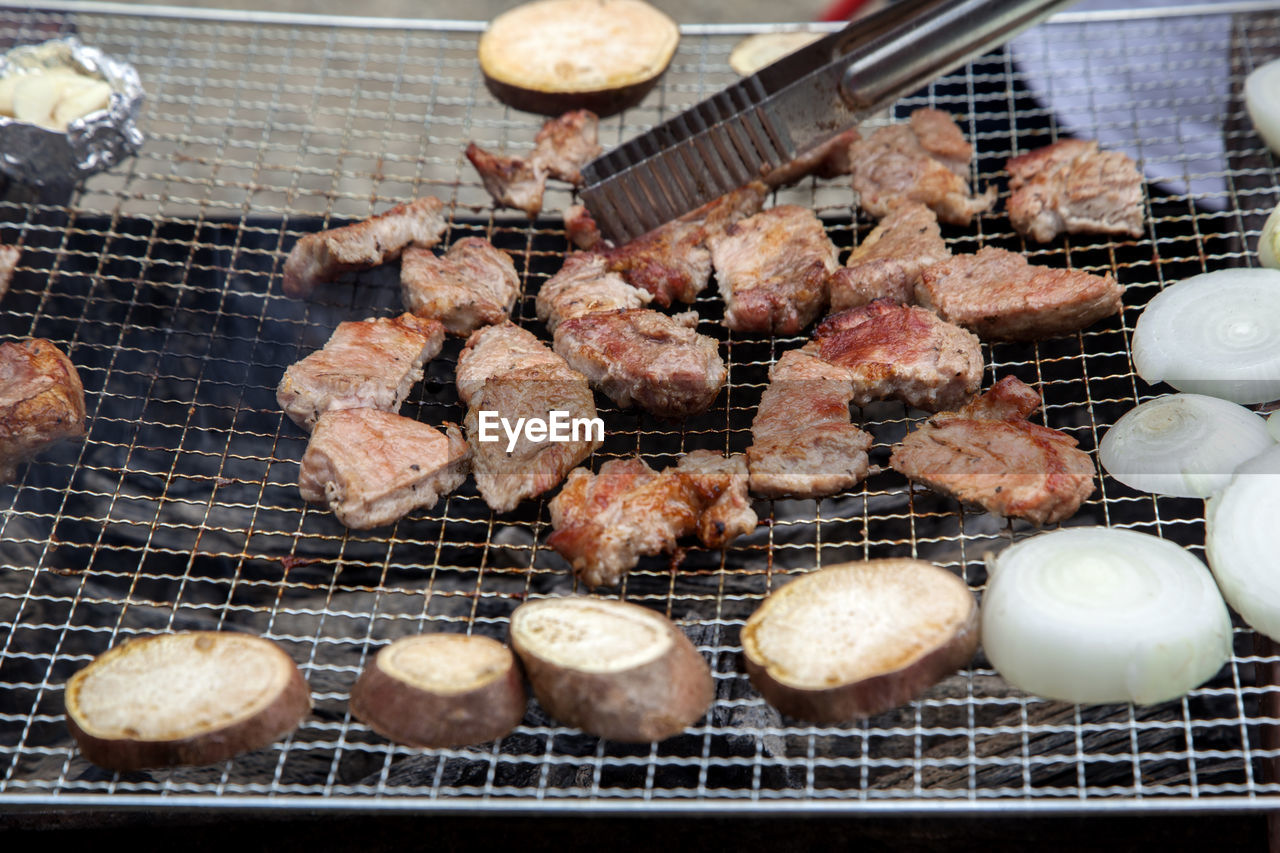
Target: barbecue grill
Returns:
[161, 280]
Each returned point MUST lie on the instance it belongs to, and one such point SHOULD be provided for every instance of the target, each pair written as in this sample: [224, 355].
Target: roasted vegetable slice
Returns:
[439, 690]
[196, 697]
[856, 639]
[552, 56]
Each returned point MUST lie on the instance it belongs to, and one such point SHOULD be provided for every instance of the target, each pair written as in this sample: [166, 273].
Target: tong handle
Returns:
[903, 47]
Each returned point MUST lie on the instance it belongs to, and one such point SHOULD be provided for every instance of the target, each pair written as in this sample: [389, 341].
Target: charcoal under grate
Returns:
[161, 279]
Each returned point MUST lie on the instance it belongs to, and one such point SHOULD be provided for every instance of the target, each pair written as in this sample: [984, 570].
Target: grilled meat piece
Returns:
[1010, 399]
[828, 160]
[512, 181]
[903, 352]
[772, 270]
[8, 263]
[721, 485]
[1001, 297]
[562, 147]
[325, 255]
[672, 262]
[893, 166]
[638, 356]
[888, 263]
[507, 371]
[1073, 187]
[989, 454]
[471, 285]
[581, 229]
[372, 467]
[939, 134]
[567, 143]
[507, 347]
[366, 364]
[803, 442]
[582, 286]
[41, 401]
[604, 522]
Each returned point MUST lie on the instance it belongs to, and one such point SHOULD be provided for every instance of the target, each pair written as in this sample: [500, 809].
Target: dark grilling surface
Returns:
[181, 509]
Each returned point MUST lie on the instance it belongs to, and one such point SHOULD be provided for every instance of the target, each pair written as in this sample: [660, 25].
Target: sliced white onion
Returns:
[1266, 462]
[1182, 445]
[1262, 100]
[1217, 333]
[1095, 614]
[1240, 541]
[1269, 241]
[1273, 424]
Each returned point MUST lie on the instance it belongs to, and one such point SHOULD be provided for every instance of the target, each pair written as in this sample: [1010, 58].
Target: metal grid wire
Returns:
[161, 280]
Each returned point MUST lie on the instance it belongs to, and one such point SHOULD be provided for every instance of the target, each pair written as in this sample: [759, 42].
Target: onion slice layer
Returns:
[1096, 614]
[1240, 542]
[1182, 445]
[1217, 333]
[1262, 100]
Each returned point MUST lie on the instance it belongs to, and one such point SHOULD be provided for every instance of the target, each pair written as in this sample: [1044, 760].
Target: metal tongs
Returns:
[801, 101]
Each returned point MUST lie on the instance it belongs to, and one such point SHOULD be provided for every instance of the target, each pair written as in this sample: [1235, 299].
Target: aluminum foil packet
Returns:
[36, 156]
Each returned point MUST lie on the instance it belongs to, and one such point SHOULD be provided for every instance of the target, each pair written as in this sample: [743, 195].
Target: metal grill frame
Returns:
[228, 181]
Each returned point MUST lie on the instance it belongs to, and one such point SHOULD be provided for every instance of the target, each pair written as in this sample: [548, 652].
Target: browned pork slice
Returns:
[888, 263]
[893, 166]
[939, 134]
[562, 147]
[325, 255]
[640, 357]
[772, 270]
[901, 352]
[512, 181]
[672, 262]
[510, 377]
[8, 263]
[584, 285]
[603, 523]
[1001, 297]
[506, 347]
[567, 143]
[471, 285]
[371, 467]
[366, 364]
[829, 159]
[987, 453]
[581, 228]
[41, 401]
[803, 442]
[1073, 187]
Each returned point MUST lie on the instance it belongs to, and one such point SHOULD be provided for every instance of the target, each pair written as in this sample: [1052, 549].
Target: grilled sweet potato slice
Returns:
[613, 669]
[551, 56]
[856, 639]
[439, 690]
[196, 697]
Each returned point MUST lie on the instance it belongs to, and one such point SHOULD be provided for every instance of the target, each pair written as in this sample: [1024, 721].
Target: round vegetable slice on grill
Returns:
[1269, 241]
[552, 56]
[856, 639]
[438, 690]
[1217, 333]
[1097, 614]
[612, 669]
[1182, 445]
[763, 49]
[196, 697]
[1240, 541]
[1262, 100]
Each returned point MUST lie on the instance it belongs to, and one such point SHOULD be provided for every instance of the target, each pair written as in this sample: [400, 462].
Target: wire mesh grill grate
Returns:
[161, 279]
